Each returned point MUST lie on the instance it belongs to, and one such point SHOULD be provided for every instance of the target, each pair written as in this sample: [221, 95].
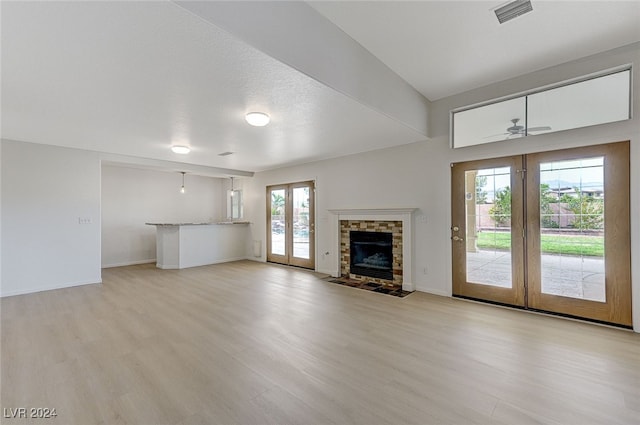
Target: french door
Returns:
[291, 225]
[487, 242]
[547, 231]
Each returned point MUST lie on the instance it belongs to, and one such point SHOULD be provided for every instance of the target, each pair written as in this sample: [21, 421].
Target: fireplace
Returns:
[371, 251]
[371, 254]
[397, 221]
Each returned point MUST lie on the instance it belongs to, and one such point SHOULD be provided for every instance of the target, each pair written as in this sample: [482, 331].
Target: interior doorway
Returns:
[547, 231]
[291, 224]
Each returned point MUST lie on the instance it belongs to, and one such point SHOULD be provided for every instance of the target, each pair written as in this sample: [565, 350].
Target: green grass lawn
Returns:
[592, 246]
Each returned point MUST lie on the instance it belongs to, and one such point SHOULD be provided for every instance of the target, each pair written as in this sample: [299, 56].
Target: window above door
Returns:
[591, 100]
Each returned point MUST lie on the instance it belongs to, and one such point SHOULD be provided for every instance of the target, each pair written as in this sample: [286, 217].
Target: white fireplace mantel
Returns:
[384, 214]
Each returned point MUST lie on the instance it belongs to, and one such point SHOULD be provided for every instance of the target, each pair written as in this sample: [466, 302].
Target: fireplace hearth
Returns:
[371, 254]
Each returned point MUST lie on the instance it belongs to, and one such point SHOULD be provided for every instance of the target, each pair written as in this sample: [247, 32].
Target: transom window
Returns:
[590, 101]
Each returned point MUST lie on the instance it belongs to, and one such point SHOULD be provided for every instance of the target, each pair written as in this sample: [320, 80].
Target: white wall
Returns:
[132, 197]
[418, 175]
[0, 219]
[45, 190]
[389, 178]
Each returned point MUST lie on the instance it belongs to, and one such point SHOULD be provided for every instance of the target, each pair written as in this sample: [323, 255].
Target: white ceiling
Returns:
[131, 78]
[444, 48]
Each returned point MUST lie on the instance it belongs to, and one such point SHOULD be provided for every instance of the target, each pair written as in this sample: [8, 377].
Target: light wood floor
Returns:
[252, 343]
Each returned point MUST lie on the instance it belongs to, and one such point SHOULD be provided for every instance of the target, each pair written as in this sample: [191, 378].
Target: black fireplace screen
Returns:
[371, 254]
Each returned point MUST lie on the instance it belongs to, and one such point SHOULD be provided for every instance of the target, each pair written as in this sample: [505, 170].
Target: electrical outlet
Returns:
[424, 270]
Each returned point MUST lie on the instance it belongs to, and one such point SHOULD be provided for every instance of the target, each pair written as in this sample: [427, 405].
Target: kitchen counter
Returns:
[182, 245]
[198, 224]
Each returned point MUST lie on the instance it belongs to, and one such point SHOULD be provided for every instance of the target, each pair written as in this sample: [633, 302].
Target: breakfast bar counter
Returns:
[182, 245]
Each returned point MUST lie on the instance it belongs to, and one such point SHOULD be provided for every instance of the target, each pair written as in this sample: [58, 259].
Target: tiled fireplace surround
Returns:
[393, 227]
[398, 221]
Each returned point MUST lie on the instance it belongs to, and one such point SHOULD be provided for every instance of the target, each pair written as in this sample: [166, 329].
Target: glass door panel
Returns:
[487, 223]
[572, 228]
[302, 225]
[488, 226]
[278, 222]
[301, 222]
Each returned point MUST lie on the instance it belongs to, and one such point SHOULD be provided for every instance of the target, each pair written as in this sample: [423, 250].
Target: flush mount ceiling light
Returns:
[181, 149]
[257, 119]
[512, 10]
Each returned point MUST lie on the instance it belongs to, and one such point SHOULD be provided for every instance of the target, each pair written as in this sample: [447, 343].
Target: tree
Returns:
[277, 204]
[545, 209]
[500, 212]
[588, 211]
[481, 195]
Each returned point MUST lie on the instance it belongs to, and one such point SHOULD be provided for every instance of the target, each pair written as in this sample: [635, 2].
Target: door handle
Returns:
[457, 238]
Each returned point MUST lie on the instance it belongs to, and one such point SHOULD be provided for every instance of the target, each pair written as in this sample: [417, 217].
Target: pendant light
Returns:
[232, 187]
[182, 188]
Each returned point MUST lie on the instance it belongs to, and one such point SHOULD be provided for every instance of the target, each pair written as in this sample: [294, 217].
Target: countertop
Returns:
[199, 224]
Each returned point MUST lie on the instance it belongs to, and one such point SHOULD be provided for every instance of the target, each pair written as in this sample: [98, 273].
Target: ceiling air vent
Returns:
[225, 153]
[512, 10]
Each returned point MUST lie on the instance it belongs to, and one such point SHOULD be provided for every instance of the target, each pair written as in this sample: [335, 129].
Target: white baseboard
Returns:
[228, 260]
[327, 271]
[46, 288]
[433, 292]
[168, 266]
[128, 263]
[224, 260]
[408, 286]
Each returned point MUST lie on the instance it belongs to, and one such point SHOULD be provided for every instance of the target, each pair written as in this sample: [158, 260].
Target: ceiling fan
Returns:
[519, 130]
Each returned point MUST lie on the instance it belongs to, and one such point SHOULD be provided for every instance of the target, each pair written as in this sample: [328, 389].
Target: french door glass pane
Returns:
[278, 222]
[301, 222]
[572, 228]
[488, 226]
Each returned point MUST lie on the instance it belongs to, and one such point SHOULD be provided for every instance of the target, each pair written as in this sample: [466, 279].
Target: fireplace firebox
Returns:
[371, 254]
